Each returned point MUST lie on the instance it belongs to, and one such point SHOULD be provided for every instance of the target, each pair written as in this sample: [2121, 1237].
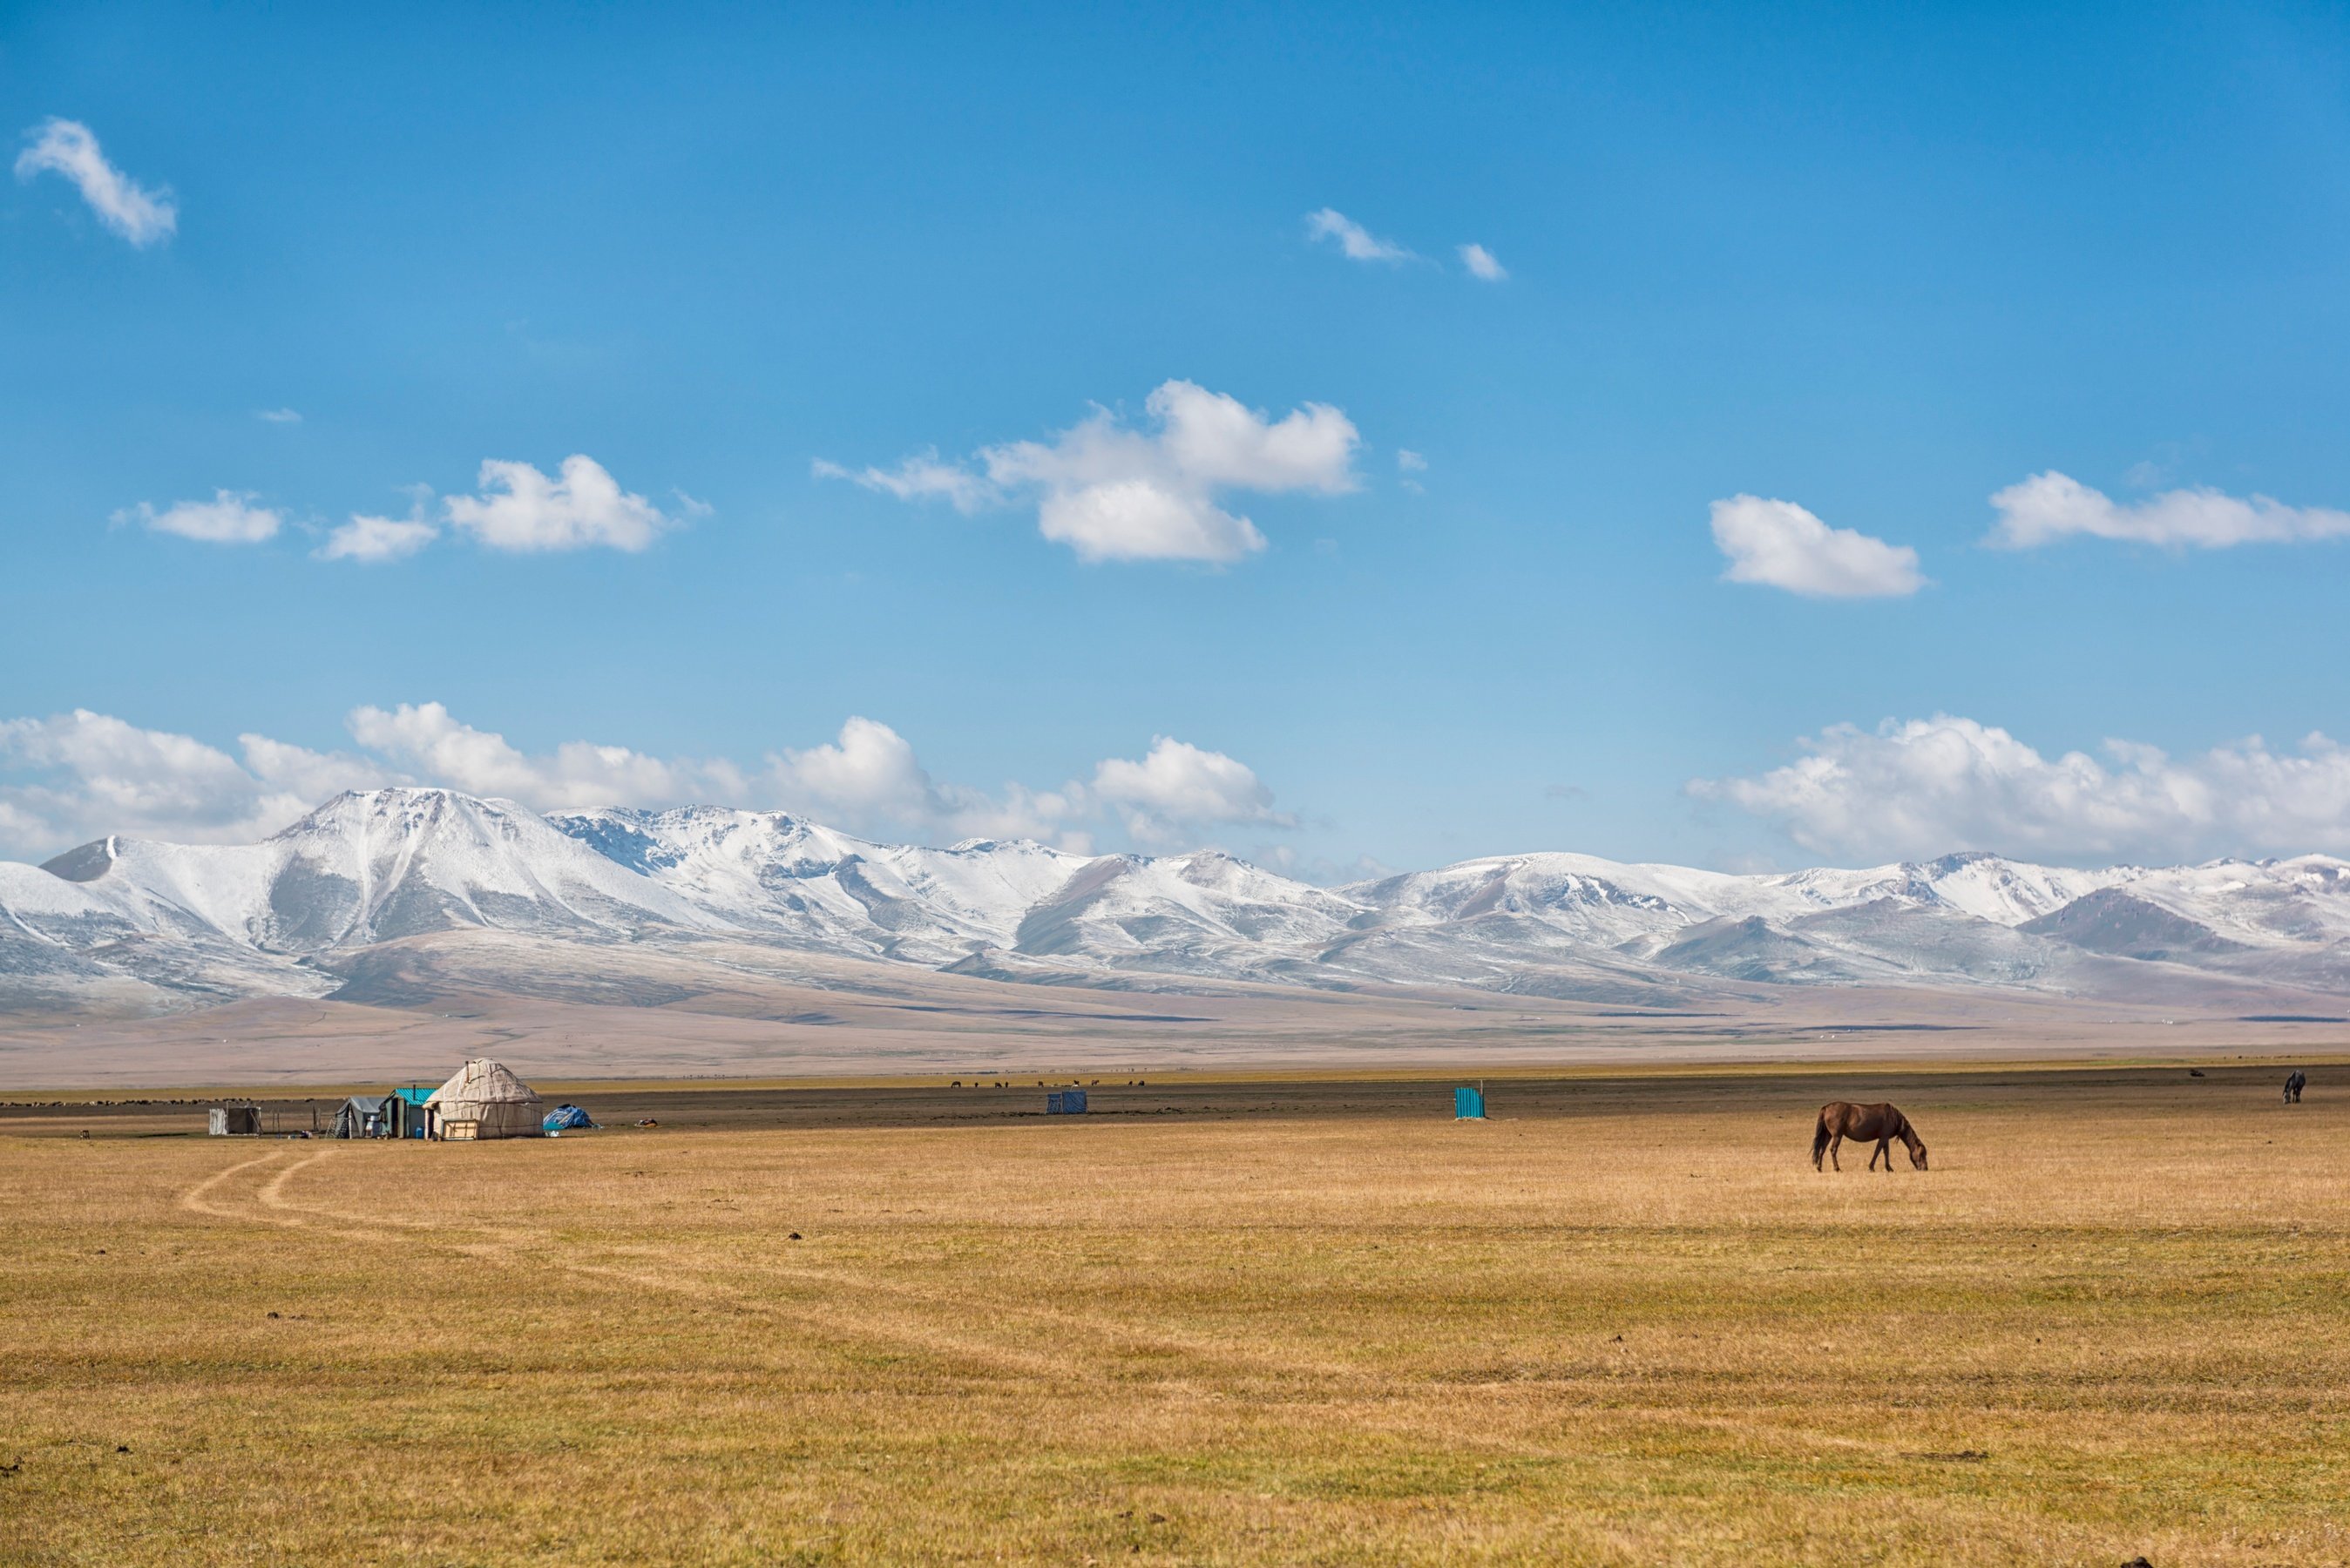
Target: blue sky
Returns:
[1878, 267]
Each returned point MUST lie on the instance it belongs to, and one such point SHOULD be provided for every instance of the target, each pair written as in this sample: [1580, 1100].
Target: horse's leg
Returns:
[1884, 1147]
[1833, 1147]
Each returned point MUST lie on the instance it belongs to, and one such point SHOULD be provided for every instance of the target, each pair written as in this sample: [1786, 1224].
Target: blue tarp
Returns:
[563, 1118]
[1066, 1103]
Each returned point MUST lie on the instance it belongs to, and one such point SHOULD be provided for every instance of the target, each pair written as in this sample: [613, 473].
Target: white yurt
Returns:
[485, 1100]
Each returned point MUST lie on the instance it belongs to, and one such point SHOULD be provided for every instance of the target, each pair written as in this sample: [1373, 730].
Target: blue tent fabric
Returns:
[563, 1118]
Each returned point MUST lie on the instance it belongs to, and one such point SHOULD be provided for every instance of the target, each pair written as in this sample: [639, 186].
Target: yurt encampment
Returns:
[485, 1100]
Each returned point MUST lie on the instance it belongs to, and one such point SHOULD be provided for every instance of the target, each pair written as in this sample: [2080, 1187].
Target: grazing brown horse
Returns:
[1840, 1120]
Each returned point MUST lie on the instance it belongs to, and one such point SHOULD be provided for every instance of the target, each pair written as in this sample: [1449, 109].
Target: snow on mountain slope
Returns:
[2010, 892]
[125, 918]
[1964, 919]
[1598, 899]
[1203, 913]
[772, 872]
[71, 946]
[2266, 903]
[1580, 897]
[362, 867]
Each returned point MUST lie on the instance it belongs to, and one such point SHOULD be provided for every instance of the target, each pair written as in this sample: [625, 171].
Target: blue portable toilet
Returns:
[1467, 1104]
[1066, 1103]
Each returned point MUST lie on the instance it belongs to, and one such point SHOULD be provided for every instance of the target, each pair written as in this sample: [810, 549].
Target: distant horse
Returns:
[2294, 1087]
[1840, 1120]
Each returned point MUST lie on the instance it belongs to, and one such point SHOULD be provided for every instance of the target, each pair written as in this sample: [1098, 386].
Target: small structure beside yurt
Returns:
[234, 1121]
[409, 1116]
[483, 1101]
[367, 1116]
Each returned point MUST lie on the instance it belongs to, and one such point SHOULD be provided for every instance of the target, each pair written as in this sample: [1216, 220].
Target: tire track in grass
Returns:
[192, 1199]
[1379, 1401]
[1112, 1334]
[504, 1245]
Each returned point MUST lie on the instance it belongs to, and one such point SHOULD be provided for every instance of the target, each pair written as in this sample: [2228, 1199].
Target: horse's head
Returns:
[1917, 1152]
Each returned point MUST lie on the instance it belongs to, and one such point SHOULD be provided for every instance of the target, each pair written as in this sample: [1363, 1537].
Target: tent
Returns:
[369, 1116]
[565, 1118]
[485, 1100]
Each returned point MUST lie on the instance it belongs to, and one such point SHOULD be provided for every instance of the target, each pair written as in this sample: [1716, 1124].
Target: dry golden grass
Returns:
[2110, 1321]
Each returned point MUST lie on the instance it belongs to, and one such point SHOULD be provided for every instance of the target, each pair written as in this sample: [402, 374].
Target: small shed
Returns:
[1066, 1103]
[1467, 1104]
[409, 1116]
[485, 1100]
[236, 1121]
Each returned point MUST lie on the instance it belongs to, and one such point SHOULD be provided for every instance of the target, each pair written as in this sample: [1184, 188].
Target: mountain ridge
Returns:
[122, 923]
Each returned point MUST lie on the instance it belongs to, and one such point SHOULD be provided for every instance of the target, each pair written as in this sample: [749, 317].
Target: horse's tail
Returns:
[1820, 1139]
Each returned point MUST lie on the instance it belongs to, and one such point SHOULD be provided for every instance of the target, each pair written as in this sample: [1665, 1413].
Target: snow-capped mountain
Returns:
[133, 924]
[767, 872]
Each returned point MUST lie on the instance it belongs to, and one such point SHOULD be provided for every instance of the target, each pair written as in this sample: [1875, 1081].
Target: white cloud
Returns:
[2050, 507]
[1925, 787]
[279, 416]
[1358, 243]
[1113, 493]
[1782, 545]
[869, 780]
[297, 775]
[1176, 789]
[1144, 520]
[371, 539]
[230, 517]
[869, 774]
[1481, 265]
[1214, 439]
[1411, 461]
[78, 776]
[521, 509]
[73, 777]
[65, 147]
[918, 478]
[437, 746]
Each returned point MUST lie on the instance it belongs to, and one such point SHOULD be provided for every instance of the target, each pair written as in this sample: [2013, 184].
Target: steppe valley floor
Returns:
[1250, 1320]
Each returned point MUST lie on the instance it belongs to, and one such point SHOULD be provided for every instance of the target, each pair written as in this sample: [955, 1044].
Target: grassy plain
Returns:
[1624, 1322]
